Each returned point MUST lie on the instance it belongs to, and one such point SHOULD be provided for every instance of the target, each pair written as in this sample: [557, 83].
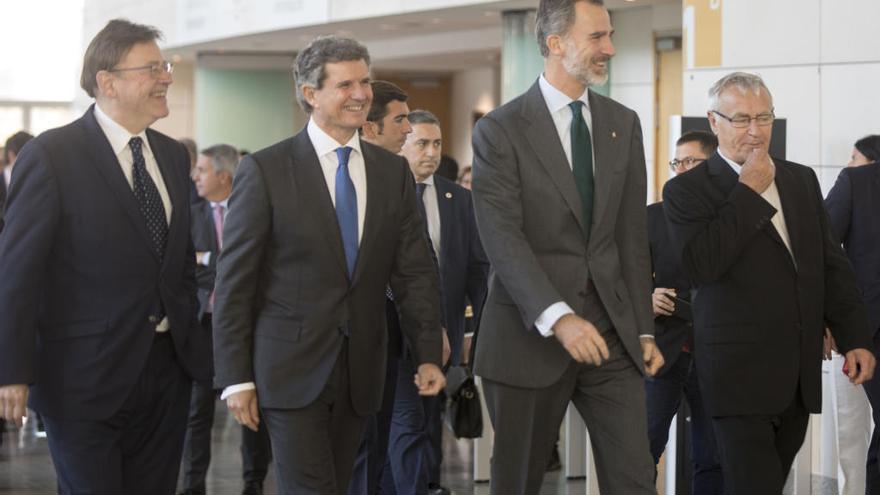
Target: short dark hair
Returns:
[870, 147]
[556, 17]
[708, 141]
[308, 68]
[422, 117]
[109, 46]
[15, 143]
[384, 92]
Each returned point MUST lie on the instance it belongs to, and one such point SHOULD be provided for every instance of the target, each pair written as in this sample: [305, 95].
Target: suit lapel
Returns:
[445, 203]
[307, 175]
[208, 221]
[375, 208]
[542, 137]
[791, 198]
[177, 195]
[104, 160]
[606, 150]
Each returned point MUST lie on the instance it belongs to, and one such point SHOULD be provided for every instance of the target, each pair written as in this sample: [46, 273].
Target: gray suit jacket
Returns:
[530, 221]
[283, 301]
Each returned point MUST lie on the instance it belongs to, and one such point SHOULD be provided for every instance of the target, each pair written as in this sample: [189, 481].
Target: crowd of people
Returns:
[320, 286]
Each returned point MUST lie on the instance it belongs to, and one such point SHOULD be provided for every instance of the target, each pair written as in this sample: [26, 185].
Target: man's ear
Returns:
[106, 83]
[370, 130]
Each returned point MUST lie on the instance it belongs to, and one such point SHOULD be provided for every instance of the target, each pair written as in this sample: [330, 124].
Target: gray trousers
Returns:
[610, 398]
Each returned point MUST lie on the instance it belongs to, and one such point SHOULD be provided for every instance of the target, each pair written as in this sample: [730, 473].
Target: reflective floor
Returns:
[26, 467]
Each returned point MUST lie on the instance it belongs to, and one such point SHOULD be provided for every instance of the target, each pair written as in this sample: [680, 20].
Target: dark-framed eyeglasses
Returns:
[688, 162]
[743, 121]
[156, 70]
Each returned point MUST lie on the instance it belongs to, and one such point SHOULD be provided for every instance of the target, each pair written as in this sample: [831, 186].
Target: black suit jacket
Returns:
[464, 268]
[760, 314]
[670, 332]
[283, 301]
[854, 208]
[204, 239]
[82, 288]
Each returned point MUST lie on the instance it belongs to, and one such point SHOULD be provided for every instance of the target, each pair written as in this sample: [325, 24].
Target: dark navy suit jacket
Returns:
[464, 268]
[204, 238]
[82, 288]
[854, 208]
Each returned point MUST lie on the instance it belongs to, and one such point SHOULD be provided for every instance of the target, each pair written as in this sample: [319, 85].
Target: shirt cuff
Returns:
[647, 335]
[232, 389]
[550, 316]
[206, 258]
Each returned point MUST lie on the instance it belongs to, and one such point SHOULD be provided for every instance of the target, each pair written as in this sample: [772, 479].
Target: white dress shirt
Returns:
[771, 195]
[557, 103]
[325, 147]
[119, 137]
[432, 211]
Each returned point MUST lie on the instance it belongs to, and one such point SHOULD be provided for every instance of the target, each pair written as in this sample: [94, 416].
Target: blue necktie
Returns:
[147, 195]
[346, 209]
[582, 161]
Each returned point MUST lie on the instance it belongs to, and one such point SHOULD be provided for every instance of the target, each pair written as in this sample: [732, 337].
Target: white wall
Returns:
[823, 68]
[472, 91]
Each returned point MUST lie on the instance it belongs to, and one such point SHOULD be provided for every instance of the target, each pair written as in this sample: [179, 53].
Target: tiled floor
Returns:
[26, 467]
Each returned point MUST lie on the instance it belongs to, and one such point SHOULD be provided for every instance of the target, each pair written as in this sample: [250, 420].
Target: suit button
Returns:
[153, 319]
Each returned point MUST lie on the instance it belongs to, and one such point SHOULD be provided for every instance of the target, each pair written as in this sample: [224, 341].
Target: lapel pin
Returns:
[613, 135]
[449, 195]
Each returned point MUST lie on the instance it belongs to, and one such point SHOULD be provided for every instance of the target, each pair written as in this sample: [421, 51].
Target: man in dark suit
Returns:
[318, 226]
[98, 299]
[853, 205]
[10, 153]
[673, 325]
[386, 127]
[754, 239]
[415, 448]
[559, 184]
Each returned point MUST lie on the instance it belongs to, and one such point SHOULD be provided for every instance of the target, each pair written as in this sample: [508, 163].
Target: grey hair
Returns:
[556, 17]
[422, 117]
[224, 158]
[743, 81]
[308, 68]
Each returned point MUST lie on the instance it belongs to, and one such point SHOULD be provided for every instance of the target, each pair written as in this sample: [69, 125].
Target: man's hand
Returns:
[581, 339]
[662, 304]
[200, 257]
[429, 379]
[651, 355]
[758, 171]
[447, 349]
[243, 406]
[828, 345]
[861, 365]
[13, 403]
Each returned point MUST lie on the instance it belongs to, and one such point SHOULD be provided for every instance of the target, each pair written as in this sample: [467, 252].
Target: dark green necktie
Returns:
[582, 161]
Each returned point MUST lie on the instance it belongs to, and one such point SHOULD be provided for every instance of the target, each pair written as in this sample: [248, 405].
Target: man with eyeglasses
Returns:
[98, 298]
[754, 239]
[674, 334]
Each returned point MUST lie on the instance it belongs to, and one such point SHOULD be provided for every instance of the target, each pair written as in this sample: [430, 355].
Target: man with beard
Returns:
[559, 184]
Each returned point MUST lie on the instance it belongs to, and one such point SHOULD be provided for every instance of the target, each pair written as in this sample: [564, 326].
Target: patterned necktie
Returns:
[147, 195]
[582, 161]
[346, 209]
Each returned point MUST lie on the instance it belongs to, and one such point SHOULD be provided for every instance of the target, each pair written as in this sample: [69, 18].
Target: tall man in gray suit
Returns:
[559, 191]
[318, 225]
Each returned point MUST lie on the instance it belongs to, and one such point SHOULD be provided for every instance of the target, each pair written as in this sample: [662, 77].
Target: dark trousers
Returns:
[315, 446]
[434, 411]
[610, 398]
[371, 464]
[256, 453]
[757, 450]
[872, 390]
[408, 444]
[138, 449]
[664, 395]
[197, 443]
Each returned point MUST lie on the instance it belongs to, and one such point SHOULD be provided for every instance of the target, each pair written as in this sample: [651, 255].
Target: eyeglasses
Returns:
[156, 70]
[743, 121]
[688, 161]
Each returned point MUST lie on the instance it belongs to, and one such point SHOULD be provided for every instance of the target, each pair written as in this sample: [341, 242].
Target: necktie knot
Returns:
[342, 154]
[135, 144]
[576, 107]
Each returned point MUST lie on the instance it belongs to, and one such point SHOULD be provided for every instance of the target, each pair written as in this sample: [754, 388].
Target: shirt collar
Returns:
[116, 134]
[557, 100]
[429, 181]
[324, 144]
[224, 204]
